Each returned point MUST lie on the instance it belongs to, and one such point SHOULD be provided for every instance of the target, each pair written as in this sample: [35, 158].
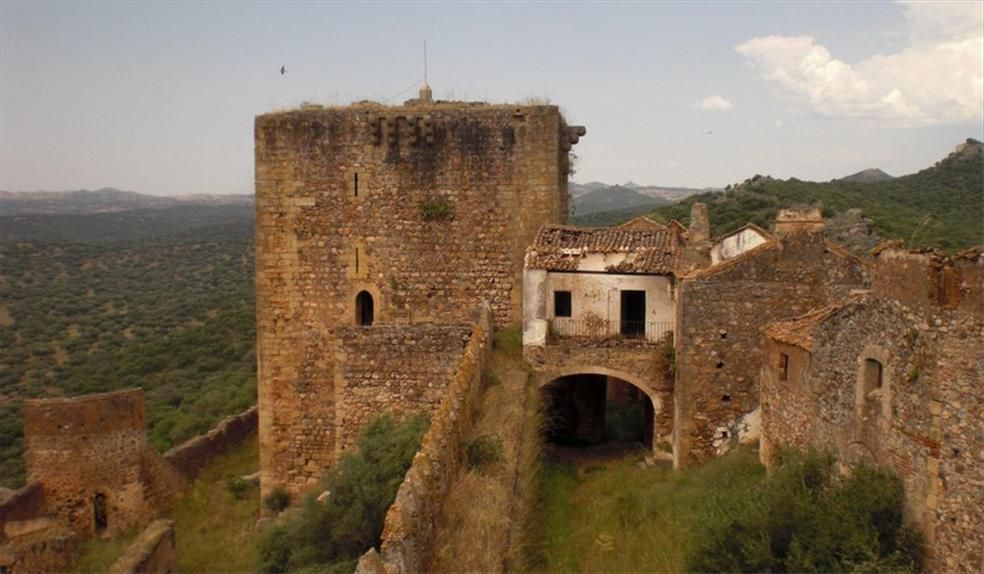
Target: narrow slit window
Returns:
[355, 184]
[783, 367]
[99, 514]
[357, 260]
[562, 303]
[872, 375]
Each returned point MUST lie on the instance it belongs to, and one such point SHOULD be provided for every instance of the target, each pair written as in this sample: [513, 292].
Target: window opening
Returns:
[99, 515]
[364, 312]
[562, 303]
[633, 313]
[783, 367]
[356, 184]
[872, 375]
[356, 260]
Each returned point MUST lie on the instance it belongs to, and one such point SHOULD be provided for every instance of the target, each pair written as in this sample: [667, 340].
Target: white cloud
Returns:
[939, 77]
[714, 104]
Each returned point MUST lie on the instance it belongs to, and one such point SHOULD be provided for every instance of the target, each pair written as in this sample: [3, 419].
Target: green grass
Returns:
[622, 518]
[97, 555]
[214, 531]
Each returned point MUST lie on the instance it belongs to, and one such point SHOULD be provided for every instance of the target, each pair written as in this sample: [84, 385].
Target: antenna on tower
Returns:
[425, 92]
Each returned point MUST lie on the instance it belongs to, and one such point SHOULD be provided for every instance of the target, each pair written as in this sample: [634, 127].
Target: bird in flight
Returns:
[709, 132]
[283, 70]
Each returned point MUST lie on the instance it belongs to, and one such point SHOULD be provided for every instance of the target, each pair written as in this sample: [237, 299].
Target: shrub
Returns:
[278, 500]
[237, 487]
[482, 451]
[805, 517]
[436, 209]
[363, 485]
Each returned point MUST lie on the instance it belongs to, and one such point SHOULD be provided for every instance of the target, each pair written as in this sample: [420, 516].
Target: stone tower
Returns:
[369, 214]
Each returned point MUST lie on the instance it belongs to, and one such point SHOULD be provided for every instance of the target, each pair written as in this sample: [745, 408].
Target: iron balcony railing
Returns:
[602, 329]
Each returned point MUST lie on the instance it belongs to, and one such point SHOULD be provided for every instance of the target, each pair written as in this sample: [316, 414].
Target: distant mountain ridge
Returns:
[870, 175]
[103, 200]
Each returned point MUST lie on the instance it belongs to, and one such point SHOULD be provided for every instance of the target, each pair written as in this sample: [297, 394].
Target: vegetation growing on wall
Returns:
[362, 486]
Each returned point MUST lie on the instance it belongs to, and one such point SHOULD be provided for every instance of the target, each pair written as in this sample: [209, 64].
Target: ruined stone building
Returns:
[599, 303]
[893, 377]
[380, 231]
[91, 472]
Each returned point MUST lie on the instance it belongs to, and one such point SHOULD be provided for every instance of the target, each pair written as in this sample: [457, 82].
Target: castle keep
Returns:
[398, 218]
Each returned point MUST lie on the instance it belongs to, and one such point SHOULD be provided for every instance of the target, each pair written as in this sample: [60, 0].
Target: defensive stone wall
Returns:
[894, 382]
[153, 552]
[427, 208]
[720, 310]
[191, 456]
[410, 526]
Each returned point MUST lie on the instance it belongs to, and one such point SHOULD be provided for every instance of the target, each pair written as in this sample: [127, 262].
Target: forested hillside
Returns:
[159, 299]
[942, 206]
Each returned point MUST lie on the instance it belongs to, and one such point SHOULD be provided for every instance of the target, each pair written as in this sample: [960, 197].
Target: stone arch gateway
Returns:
[589, 391]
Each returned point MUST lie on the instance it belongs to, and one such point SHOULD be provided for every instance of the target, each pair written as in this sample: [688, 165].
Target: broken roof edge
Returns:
[727, 264]
[798, 331]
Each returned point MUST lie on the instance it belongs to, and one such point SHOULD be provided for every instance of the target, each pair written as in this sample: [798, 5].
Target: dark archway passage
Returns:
[591, 409]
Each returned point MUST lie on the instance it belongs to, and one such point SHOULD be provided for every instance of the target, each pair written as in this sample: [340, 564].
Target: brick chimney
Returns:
[700, 226]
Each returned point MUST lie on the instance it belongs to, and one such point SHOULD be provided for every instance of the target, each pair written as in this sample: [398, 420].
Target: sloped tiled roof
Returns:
[798, 331]
[649, 247]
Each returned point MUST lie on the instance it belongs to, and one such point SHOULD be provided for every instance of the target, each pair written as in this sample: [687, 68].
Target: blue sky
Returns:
[160, 97]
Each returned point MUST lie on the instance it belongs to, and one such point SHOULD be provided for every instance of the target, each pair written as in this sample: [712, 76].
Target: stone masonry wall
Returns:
[400, 369]
[191, 456]
[427, 207]
[153, 552]
[95, 445]
[20, 508]
[410, 527]
[718, 345]
[923, 422]
[643, 366]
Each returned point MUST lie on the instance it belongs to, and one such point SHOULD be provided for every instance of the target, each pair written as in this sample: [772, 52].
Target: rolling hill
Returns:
[941, 206]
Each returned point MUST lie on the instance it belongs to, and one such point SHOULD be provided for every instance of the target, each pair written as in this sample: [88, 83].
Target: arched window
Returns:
[364, 311]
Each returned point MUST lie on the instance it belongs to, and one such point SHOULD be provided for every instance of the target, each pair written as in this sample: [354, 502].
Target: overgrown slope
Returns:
[164, 302]
[941, 206]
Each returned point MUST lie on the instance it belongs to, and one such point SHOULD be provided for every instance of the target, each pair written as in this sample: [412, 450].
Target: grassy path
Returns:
[615, 516]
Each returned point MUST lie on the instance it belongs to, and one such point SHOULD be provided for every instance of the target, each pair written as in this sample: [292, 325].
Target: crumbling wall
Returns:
[20, 509]
[191, 456]
[90, 452]
[399, 369]
[923, 420]
[54, 549]
[153, 552]
[427, 207]
[411, 523]
[718, 345]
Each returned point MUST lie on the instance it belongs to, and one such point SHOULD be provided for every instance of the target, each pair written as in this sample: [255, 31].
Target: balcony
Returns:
[599, 331]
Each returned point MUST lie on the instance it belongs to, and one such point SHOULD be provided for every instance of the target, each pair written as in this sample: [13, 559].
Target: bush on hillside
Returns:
[362, 487]
[807, 518]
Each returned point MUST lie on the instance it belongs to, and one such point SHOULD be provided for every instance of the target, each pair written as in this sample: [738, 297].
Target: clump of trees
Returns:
[336, 530]
[807, 517]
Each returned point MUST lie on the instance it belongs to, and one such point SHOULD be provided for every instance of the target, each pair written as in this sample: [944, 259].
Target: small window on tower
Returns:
[562, 303]
[783, 367]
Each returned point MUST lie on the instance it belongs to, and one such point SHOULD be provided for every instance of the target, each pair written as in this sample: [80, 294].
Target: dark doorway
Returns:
[99, 516]
[364, 312]
[587, 410]
[633, 315]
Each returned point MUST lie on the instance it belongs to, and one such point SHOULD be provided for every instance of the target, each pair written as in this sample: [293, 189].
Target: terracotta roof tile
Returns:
[649, 247]
[798, 331]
